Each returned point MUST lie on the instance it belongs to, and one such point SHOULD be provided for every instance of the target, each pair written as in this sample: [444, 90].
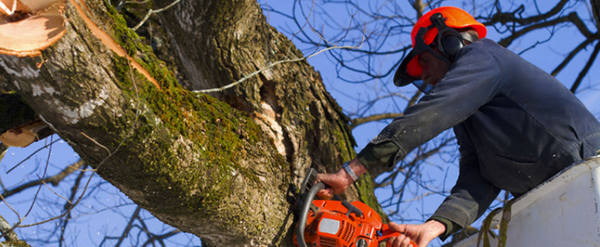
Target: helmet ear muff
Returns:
[448, 40]
[450, 44]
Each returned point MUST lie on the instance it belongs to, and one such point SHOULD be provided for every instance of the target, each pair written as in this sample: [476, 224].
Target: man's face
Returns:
[434, 69]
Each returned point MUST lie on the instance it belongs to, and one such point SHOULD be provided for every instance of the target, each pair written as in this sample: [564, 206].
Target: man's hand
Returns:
[420, 234]
[338, 182]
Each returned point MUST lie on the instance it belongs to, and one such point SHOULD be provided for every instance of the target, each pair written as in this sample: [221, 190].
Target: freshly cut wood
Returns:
[22, 136]
[27, 27]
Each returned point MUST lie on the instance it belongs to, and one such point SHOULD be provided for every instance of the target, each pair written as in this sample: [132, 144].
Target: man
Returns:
[515, 124]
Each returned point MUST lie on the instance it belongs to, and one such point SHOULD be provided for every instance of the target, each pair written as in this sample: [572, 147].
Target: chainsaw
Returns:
[336, 223]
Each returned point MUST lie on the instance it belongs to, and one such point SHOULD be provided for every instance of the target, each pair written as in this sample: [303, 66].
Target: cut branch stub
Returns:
[22, 136]
[30, 26]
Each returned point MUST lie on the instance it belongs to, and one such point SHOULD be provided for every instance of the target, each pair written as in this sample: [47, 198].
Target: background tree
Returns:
[163, 143]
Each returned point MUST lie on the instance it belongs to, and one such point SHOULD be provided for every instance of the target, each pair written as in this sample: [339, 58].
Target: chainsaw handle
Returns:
[386, 233]
[304, 212]
[352, 209]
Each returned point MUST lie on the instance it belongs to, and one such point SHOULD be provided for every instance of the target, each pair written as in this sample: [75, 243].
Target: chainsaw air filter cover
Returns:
[342, 224]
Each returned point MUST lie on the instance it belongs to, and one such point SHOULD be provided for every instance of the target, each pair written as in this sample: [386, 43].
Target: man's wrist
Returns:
[349, 171]
[437, 227]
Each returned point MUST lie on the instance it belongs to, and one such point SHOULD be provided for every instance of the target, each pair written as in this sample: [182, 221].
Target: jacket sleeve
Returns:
[472, 194]
[472, 81]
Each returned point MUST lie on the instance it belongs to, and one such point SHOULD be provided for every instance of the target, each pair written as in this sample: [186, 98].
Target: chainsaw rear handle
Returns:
[386, 233]
[304, 212]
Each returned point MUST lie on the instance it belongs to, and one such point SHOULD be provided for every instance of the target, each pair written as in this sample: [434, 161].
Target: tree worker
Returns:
[515, 124]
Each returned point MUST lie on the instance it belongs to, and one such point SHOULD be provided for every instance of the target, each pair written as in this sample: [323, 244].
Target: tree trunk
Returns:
[217, 166]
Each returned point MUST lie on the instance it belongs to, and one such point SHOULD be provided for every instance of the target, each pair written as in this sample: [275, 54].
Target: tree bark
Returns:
[217, 166]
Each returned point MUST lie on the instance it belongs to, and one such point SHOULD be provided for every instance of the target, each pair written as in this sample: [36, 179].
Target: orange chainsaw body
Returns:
[332, 226]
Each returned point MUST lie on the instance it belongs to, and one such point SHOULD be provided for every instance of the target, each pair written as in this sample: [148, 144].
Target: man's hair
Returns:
[469, 34]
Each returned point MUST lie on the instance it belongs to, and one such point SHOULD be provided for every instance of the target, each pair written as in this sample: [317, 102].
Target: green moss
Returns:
[19, 243]
[220, 133]
[134, 46]
[365, 191]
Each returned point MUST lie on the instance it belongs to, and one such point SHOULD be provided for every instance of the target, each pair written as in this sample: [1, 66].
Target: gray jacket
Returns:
[516, 126]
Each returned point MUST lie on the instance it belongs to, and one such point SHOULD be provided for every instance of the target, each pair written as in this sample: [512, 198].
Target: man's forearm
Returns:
[377, 155]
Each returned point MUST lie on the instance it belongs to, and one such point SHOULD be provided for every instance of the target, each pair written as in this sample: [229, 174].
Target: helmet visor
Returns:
[410, 70]
[404, 75]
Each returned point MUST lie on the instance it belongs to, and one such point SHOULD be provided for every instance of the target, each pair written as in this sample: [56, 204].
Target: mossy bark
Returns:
[218, 166]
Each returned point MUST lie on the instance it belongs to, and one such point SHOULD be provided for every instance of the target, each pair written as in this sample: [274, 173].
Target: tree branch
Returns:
[586, 69]
[508, 40]
[153, 11]
[506, 17]
[293, 60]
[3, 149]
[135, 215]
[571, 55]
[7, 230]
[54, 180]
[69, 204]
[358, 121]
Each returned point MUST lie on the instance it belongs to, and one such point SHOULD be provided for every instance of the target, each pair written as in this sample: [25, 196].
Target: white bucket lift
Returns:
[564, 211]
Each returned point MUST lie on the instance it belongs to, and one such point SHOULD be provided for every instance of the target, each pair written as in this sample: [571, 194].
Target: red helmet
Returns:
[454, 18]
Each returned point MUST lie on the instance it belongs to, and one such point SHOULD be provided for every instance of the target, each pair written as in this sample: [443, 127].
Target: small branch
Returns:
[586, 69]
[503, 18]
[548, 23]
[358, 121]
[160, 238]
[151, 12]
[3, 149]
[96, 142]
[68, 205]
[54, 180]
[31, 155]
[223, 88]
[65, 213]
[7, 230]
[571, 55]
[135, 215]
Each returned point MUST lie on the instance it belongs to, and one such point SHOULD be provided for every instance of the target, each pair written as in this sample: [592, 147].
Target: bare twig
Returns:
[268, 67]
[40, 187]
[68, 206]
[586, 68]
[135, 216]
[358, 121]
[7, 230]
[97, 143]
[154, 11]
[66, 212]
[3, 149]
[54, 180]
[31, 155]
[571, 55]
